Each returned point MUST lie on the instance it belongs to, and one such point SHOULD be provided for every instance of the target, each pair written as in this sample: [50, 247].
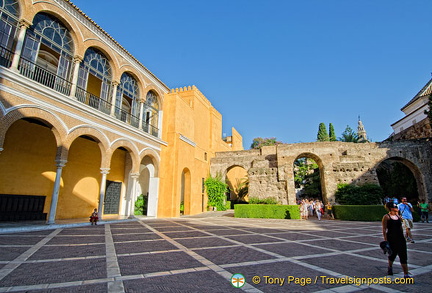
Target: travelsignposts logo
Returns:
[238, 280]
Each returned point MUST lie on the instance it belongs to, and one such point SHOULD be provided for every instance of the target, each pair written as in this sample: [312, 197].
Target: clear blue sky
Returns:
[277, 68]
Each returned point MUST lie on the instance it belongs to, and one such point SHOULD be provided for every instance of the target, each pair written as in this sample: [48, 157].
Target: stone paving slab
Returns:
[195, 254]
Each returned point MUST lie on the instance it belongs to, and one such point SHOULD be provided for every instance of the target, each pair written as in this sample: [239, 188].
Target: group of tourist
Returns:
[311, 207]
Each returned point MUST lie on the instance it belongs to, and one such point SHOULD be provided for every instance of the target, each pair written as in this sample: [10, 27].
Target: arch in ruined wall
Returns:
[415, 170]
[321, 167]
[234, 175]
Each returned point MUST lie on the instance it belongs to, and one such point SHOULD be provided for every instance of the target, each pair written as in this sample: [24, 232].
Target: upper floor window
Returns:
[9, 16]
[127, 101]
[53, 32]
[47, 53]
[151, 113]
[95, 76]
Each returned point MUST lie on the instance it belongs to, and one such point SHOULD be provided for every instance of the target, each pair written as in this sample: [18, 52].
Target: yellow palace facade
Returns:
[84, 125]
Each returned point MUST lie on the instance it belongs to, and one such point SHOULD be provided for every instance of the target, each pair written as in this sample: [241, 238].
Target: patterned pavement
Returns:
[202, 254]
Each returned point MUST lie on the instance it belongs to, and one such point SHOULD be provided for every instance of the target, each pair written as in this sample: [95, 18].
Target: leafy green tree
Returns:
[322, 133]
[349, 135]
[307, 177]
[397, 180]
[216, 190]
[259, 142]
[332, 133]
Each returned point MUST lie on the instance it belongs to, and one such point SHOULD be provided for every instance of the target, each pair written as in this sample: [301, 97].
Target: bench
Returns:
[22, 207]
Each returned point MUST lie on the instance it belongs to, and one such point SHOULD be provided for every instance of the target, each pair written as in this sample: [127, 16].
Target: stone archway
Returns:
[236, 177]
[400, 177]
[313, 168]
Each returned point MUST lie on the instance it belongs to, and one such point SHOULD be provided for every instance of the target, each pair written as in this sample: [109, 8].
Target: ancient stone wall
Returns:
[271, 169]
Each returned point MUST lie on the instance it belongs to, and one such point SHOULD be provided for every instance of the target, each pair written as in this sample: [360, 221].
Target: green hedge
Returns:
[266, 211]
[228, 205]
[362, 212]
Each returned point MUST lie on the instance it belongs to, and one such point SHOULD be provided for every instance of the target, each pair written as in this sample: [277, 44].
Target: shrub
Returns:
[268, 200]
[359, 212]
[368, 194]
[267, 211]
[141, 205]
[216, 189]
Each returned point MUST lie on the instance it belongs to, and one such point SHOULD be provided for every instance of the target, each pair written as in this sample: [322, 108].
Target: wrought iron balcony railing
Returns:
[93, 101]
[45, 77]
[5, 57]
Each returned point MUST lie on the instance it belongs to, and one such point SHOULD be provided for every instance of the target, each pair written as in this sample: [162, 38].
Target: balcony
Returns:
[45, 77]
[57, 83]
[5, 57]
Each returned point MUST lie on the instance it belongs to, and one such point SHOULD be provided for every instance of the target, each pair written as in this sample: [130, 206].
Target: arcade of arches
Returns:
[271, 169]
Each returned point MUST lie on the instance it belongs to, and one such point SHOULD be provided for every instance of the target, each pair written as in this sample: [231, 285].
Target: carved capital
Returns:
[77, 59]
[105, 171]
[61, 163]
[135, 175]
[24, 23]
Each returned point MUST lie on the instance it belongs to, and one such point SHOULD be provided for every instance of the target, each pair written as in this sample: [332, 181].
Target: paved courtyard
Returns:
[202, 254]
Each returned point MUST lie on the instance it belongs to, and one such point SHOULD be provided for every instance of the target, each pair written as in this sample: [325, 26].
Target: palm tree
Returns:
[349, 135]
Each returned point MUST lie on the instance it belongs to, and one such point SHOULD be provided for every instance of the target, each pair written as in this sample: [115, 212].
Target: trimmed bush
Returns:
[228, 205]
[367, 194]
[266, 211]
[268, 200]
[363, 212]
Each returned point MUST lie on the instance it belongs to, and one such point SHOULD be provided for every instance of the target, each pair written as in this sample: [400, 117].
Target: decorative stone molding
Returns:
[187, 140]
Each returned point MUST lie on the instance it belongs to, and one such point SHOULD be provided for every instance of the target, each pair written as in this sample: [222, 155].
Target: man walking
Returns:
[405, 210]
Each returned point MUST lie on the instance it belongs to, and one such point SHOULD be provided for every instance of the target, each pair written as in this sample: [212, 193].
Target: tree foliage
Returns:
[349, 135]
[307, 177]
[397, 180]
[332, 133]
[367, 194]
[216, 189]
[322, 133]
[242, 188]
[259, 142]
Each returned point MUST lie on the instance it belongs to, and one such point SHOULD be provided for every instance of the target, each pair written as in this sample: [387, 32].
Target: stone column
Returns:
[23, 26]
[114, 96]
[160, 114]
[141, 115]
[104, 172]
[153, 198]
[77, 61]
[132, 195]
[55, 193]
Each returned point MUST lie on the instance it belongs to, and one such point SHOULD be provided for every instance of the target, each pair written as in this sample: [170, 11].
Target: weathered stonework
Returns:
[421, 129]
[271, 173]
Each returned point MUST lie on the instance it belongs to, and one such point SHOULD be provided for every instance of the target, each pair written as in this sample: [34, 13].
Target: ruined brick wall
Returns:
[421, 129]
[271, 171]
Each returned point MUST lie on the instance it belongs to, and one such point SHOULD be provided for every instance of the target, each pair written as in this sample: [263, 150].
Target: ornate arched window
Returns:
[47, 53]
[9, 16]
[94, 80]
[151, 113]
[127, 100]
